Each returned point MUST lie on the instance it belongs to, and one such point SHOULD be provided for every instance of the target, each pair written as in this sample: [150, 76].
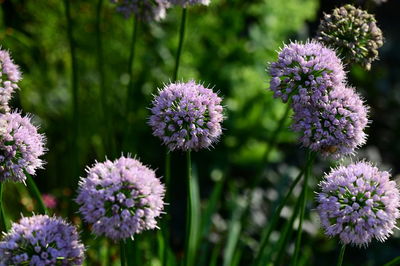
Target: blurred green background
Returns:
[228, 45]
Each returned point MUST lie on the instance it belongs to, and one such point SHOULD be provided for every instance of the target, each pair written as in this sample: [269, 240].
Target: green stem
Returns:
[273, 140]
[180, 45]
[341, 255]
[122, 252]
[100, 69]
[74, 80]
[395, 261]
[286, 235]
[190, 237]
[310, 160]
[165, 224]
[35, 193]
[131, 62]
[130, 252]
[188, 210]
[3, 219]
[271, 225]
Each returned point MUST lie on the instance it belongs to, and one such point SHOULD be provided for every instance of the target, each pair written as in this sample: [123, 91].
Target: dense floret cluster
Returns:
[305, 70]
[21, 147]
[333, 124]
[120, 198]
[41, 240]
[354, 34]
[358, 203]
[9, 77]
[187, 116]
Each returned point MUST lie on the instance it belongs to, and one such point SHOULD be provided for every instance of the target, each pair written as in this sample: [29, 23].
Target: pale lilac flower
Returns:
[186, 116]
[186, 3]
[305, 69]
[21, 147]
[358, 203]
[331, 124]
[41, 240]
[9, 77]
[120, 198]
[144, 9]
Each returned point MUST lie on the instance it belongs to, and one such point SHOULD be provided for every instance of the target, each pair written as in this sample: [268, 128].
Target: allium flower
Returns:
[21, 146]
[308, 68]
[9, 77]
[358, 203]
[353, 33]
[334, 124]
[186, 3]
[144, 9]
[186, 116]
[41, 240]
[120, 198]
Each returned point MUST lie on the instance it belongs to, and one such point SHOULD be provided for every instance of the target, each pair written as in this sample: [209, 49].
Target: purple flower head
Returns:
[10, 75]
[334, 124]
[358, 203]
[41, 240]
[145, 10]
[120, 198]
[21, 147]
[187, 116]
[308, 68]
[186, 3]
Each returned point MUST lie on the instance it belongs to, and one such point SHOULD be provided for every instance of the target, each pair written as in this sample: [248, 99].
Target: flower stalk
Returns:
[341, 255]
[303, 198]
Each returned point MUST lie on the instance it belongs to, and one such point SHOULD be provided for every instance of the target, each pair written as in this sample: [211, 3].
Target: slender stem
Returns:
[180, 45]
[131, 63]
[188, 251]
[122, 252]
[273, 140]
[286, 235]
[341, 255]
[3, 219]
[130, 252]
[167, 199]
[75, 89]
[395, 261]
[303, 199]
[100, 69]
[271, 225]
[35, 193]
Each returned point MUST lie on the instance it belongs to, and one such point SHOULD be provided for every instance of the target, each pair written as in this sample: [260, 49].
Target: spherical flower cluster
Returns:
[358, 203]
[144, 9]
[41, 240]
[334, 124]
[186, 3]
[21, 147]
[120, 198]
[9, 77]
[187, 116]
[353, 33]
[305, 69]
